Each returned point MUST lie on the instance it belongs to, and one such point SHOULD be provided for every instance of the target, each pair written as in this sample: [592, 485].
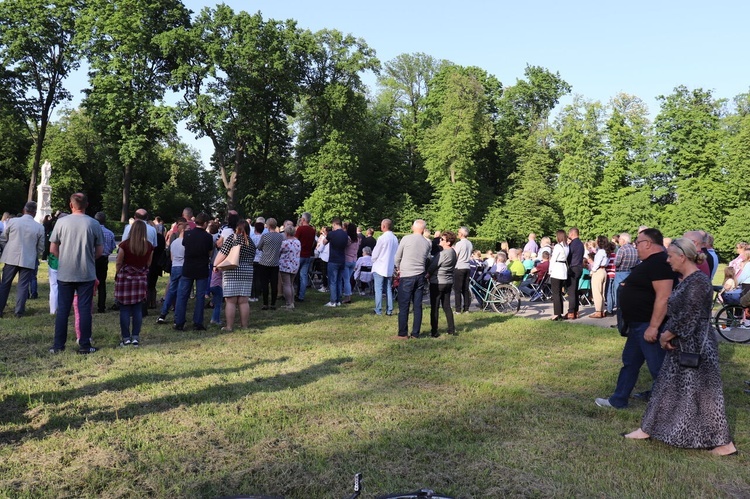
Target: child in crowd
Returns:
[217, 296]
[528, 261]
[730, 285]
[500, 270]
[476, 265]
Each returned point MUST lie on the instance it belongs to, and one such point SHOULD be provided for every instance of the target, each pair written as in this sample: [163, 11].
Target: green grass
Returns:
[306, 398]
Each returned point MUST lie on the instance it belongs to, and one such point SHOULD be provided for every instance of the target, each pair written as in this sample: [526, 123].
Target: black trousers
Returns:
[574, 275]
[269, 275]
[101, 275]
[461, 289]
[557, 295]
[441, 294]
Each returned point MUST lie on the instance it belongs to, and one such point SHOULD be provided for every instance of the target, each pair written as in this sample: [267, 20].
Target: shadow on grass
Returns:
[227, 392]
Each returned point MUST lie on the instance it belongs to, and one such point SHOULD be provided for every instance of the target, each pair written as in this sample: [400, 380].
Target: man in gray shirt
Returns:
[77, 241]
[412, 258]
[463, 249]
[22, 242]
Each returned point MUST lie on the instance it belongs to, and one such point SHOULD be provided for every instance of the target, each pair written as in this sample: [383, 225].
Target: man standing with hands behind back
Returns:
[412, 258]
[77, 241]
[576, 253]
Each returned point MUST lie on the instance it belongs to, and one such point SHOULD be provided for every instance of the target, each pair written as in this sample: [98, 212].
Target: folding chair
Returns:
[543, 290]
[363, 281]
[584, 289]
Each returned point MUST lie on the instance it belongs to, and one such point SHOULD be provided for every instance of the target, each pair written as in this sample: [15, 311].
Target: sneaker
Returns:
[179, 327]
[338, 304]
[125, 342]
[603, 403]
[86, 351]
[199, 327]
[323, 289]
[214, 323]
[252, 299]
[330, 304]
[162, 319]
[136, 341]
[54, 350]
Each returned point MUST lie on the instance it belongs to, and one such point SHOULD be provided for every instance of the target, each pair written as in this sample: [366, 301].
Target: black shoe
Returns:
[199, 327]
[161, 319]
[273, 307]
[179, 327]
[264, 307]
[643, 395]
[746, 391]
[54, 350]
[102, 310]
[747, 382]
[18, 316]
[87, 350]
[415, 336]
[435, 335]
[297, 298]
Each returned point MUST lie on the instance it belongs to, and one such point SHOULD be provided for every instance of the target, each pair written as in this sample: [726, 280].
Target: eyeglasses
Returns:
[641, 241]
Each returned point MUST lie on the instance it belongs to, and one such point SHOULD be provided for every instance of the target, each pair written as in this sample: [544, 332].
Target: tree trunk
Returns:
[39, 144]
[126, 192]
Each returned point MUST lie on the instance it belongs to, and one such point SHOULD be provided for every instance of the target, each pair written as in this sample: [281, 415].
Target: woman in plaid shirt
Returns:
[131, 281]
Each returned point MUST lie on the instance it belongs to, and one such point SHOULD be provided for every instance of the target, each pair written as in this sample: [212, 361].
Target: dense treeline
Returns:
[294, 128]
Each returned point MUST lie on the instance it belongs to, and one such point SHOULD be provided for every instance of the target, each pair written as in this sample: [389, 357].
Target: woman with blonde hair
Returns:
[131, 282]
[686, 408]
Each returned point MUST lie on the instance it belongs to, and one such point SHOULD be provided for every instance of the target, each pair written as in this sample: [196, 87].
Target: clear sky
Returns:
[601, 48]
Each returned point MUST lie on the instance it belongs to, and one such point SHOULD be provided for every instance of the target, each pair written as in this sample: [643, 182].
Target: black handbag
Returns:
[692, 360]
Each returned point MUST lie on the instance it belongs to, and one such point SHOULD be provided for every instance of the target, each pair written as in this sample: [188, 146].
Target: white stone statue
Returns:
[44, 194]
[46, 173]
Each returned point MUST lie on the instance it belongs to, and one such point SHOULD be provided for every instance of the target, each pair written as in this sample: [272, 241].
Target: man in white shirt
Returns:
[383, 263]
[142, 215]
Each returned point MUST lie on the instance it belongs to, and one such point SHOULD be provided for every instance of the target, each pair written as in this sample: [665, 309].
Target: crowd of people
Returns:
[660, 289]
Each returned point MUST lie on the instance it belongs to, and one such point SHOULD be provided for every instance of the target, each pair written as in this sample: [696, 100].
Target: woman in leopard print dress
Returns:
[686, 408]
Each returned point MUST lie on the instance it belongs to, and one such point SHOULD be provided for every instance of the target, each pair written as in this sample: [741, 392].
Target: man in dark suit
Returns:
[22, 242]
[576, 253]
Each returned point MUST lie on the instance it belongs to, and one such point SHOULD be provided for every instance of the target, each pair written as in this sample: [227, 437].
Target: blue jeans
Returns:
[612, 291]
[134, 311]
[379, 281]
[410, 291]
[171, 296]
[65, 292]
[634, 354]
[183, 294]
[348, 271]
[217, 295]
[335, 281]
[25, 278]
[34, 284]
[304, 269]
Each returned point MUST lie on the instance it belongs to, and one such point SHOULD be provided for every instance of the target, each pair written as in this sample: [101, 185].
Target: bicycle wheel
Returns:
[505, 299]
[728, 323]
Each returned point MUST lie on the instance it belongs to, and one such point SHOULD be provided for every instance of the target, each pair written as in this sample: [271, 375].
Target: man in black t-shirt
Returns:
[643, 301]
[199, 247]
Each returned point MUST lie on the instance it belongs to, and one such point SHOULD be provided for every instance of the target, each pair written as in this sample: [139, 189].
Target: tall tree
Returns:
[579, 143]
[406, 80]
[689, 137]
[458, 128]
[38, 46]
[624, 197]
[240, 77]
[130, 62]
[334, 110]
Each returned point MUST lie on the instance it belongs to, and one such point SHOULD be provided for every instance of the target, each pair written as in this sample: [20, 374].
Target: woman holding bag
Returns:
[237, 283]
[686, 408]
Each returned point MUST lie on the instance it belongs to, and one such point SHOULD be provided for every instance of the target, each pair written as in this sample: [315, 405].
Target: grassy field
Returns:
[304, 399]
